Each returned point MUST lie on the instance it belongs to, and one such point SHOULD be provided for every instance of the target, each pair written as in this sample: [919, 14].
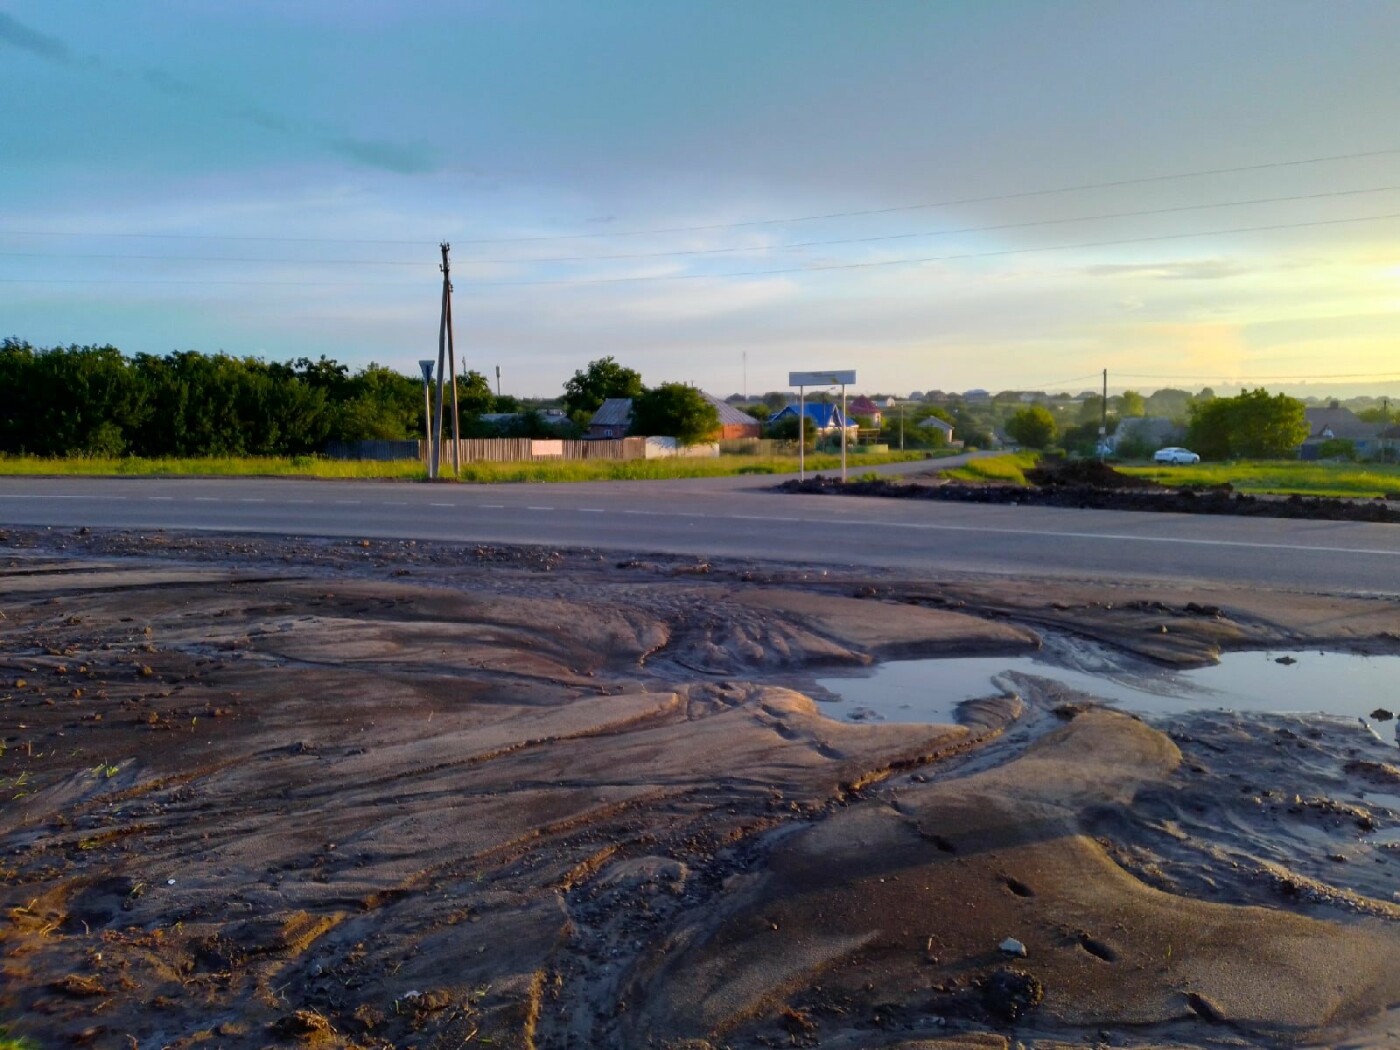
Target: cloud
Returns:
[387, 156]
[1188, 270]
[21, 36]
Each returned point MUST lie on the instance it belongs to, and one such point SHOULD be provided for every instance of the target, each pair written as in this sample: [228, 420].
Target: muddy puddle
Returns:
[1265, 682]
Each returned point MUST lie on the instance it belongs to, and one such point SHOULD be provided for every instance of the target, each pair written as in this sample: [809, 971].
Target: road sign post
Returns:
[427, 367]
[802, 380]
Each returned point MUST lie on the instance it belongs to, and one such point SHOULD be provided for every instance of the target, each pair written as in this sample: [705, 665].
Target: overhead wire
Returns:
[1029, 224]
[747, 223]
[817, 268]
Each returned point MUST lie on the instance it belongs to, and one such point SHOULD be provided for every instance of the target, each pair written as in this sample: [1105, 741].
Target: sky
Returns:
[1008, 194]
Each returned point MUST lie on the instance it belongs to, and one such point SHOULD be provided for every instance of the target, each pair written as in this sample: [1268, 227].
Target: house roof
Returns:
[934, 421]
[729, 416]
[823, 415]
[614, 412]
[862, 406]
[1342, 422]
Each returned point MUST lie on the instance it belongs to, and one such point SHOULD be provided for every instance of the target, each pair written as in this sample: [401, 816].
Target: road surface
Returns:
[740, 518]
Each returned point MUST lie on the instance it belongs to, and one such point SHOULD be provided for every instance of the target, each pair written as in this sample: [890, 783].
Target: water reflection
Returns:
[1303, 682]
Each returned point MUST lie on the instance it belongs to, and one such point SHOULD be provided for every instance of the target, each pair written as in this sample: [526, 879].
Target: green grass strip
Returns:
[410, 470]
[1007, 469]
[1281, 477]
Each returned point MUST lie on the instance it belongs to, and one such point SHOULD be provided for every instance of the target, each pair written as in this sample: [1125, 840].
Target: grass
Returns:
[410, 470]
[9, 1042]
[1281, 477]
[1006, 469]
[215, 466]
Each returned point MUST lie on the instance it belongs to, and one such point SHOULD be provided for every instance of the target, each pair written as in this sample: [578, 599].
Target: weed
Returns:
[1008, 469]
[1282, 477]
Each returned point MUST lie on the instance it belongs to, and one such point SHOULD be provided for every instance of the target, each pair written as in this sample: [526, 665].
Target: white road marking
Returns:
[162, 499]
[208, 499]
[591, 510]
[252, 499]
[442, 504]
[539, 508]
[353, 502]
[492, 506]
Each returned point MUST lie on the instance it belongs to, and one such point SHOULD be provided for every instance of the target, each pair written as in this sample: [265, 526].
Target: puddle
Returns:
[1308, 682]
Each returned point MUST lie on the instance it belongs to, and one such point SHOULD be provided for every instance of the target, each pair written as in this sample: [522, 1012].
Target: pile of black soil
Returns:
[1125, 494]
[1061, 473]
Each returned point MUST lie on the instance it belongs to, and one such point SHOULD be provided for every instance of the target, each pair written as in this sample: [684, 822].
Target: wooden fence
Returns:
[493, 450]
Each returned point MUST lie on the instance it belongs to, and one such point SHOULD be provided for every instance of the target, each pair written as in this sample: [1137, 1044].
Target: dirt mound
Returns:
[1055, 473]
[1128, 494]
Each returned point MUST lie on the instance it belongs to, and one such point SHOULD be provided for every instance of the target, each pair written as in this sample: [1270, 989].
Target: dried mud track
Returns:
[347, 794]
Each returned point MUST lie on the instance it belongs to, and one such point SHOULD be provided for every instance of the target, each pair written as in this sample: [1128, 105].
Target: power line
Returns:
[944, 258]
[1069, 220]
[949, 203]
[1232, 379]
[946, 233]
[820, 268]
[1143, 180]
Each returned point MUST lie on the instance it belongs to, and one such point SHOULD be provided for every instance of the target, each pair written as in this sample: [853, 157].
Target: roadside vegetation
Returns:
[1280, 477]
[1255, 477]
[412, 470]
[1006, 469]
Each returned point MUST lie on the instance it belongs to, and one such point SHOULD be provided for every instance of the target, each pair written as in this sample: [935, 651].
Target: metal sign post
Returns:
[802, 380]
[427, 367]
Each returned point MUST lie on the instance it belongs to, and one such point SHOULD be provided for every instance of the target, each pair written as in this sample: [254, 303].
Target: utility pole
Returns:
[1103, 418]
[746, 376]
[498, 381]
[447, 366]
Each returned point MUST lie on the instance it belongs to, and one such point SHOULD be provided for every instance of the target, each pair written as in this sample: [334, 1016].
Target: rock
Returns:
[1380, 714]
[1011, 946]
[1009, 993]
[1286, 660]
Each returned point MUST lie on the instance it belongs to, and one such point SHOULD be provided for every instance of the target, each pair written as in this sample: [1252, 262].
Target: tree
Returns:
[675, 410]
[786, 428]
[1251, 425]
[1132, 404]
[474, 394]
[1033, 427]
[602, 379]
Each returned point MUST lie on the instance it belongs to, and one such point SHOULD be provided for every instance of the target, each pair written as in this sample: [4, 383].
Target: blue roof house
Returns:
[825, 418]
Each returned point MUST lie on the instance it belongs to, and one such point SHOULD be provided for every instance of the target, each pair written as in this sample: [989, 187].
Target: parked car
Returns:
[1175, 455]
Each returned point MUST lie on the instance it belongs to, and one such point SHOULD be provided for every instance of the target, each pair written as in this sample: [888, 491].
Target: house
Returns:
[1336, 422]
[614, 417]
[826, 418]
[934, 423]
[863, 406]
[1154, 431]
[733, 422]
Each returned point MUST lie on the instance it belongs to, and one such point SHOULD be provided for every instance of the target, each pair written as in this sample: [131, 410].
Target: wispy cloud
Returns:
[400, 158]
[1187, 270]
[17, 34]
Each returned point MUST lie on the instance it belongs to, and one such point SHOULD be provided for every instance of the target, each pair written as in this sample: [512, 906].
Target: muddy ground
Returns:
[258, 792]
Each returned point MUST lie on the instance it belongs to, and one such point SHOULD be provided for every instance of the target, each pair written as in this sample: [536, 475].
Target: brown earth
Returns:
[259, 792]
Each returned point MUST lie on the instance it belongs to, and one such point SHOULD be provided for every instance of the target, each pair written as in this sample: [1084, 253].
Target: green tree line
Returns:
[94, 400]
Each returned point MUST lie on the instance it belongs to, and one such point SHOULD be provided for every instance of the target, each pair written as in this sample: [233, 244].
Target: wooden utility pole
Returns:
[447, 366]
[1103, 418]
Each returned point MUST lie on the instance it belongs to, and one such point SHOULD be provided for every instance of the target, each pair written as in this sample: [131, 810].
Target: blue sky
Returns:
[715, 192]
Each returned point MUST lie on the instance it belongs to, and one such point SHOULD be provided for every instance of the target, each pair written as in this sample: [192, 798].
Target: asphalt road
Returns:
[737, 517]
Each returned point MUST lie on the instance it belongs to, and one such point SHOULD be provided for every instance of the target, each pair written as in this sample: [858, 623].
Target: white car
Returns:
[1175, 455]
